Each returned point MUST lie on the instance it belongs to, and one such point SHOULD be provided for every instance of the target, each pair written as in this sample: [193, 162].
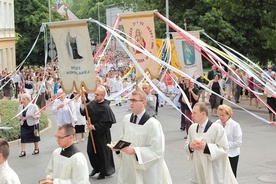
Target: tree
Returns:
[254, 21]
[29, 16]
[247, 26]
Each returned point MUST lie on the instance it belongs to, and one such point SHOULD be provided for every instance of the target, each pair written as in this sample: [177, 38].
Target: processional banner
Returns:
[189, 58]
[141, 31]
[174, 58]
[74, 55]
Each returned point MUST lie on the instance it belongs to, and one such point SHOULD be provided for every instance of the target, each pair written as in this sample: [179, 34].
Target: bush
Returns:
[9, 111]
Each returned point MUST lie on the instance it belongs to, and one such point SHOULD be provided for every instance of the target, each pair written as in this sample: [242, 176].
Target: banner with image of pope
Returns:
[74, 55]
[140, 27]
[189, 58]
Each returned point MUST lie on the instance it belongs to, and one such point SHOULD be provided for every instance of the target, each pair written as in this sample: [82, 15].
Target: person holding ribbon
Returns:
[151, 100]
[191, 93]
[29, 121]
[65, 109]
[233, 132]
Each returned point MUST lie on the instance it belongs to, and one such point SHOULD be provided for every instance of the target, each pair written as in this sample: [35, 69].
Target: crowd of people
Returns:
[143, 160]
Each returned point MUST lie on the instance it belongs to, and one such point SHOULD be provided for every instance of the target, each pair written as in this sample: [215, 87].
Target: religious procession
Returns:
[136, 109]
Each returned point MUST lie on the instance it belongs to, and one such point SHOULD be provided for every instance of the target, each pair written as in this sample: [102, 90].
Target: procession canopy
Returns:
[74, 55]
[141, 31]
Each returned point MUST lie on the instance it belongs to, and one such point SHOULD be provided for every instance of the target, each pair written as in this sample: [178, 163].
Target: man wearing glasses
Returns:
[67, 164]
[142, 161]
[7, 174]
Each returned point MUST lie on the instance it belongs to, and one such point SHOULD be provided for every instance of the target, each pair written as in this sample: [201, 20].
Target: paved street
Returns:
[257, 159]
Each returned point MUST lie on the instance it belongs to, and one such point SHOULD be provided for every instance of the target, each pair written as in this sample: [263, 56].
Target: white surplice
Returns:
[73, 170]
[7, 174]
[213, 168]
[148, 165]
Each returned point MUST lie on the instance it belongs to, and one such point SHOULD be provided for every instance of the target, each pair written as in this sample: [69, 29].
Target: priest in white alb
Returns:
[207, 148]
[142, 161]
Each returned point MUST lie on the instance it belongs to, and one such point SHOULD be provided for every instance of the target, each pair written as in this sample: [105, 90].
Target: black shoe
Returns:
[100, 177]
[36, 151]
[93, 172]
[185, 137]
[237, 101]
[22, 154]
[182, 128]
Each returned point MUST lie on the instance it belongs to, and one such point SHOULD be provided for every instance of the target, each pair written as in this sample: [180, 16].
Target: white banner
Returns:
[189, 58]
[141, 31]
[74, 55]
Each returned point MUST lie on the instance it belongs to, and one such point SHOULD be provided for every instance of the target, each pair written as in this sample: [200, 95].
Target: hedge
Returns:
[9, 110]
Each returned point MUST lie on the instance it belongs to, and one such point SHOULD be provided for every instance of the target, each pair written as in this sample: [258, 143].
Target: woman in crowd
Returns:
[216, 86]
[258, 88]
[41, 88]
[29, 122]
[49, 87]
[80, 124]
[234, 135]
[28, 88]
[65, 110]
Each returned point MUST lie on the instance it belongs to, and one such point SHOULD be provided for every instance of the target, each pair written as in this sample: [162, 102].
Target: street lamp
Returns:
[99, 28]
[50, 20]
[167, 16]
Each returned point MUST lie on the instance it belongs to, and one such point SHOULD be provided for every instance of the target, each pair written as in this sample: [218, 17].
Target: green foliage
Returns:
[245, 25]
[254, 22]
[29, 16]
[9, 110]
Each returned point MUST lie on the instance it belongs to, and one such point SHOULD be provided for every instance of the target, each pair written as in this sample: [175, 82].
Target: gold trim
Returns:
[137, 15]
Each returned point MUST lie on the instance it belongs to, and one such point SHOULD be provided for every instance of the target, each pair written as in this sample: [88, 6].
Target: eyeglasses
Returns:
[61, 137]
[134, 100]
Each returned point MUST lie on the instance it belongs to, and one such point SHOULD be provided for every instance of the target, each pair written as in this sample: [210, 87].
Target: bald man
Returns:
[102, 118]
[151, 100]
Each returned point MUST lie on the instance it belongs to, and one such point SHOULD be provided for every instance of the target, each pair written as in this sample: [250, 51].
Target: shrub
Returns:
[9, 111]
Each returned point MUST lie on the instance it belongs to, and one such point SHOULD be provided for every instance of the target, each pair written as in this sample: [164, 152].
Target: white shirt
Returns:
[139, 116]
[7, 174]
[67, 114]
[16, 78]
[234, 136]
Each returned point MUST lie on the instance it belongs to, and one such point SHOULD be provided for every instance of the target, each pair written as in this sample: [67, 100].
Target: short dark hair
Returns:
[202, 107]
[4, 148]
[68, 128]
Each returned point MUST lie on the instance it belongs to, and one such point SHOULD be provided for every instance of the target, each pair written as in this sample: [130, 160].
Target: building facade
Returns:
[7, 35]
[111, 13]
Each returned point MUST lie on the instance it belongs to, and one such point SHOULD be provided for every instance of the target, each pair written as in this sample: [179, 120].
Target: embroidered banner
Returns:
[140, 28]
[174, 58]
[190, 59]
[74, 55]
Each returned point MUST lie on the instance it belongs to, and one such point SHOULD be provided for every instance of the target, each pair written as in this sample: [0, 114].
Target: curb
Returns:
[17, 142]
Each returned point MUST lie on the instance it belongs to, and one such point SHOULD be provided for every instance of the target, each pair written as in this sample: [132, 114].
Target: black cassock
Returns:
[102, 118]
